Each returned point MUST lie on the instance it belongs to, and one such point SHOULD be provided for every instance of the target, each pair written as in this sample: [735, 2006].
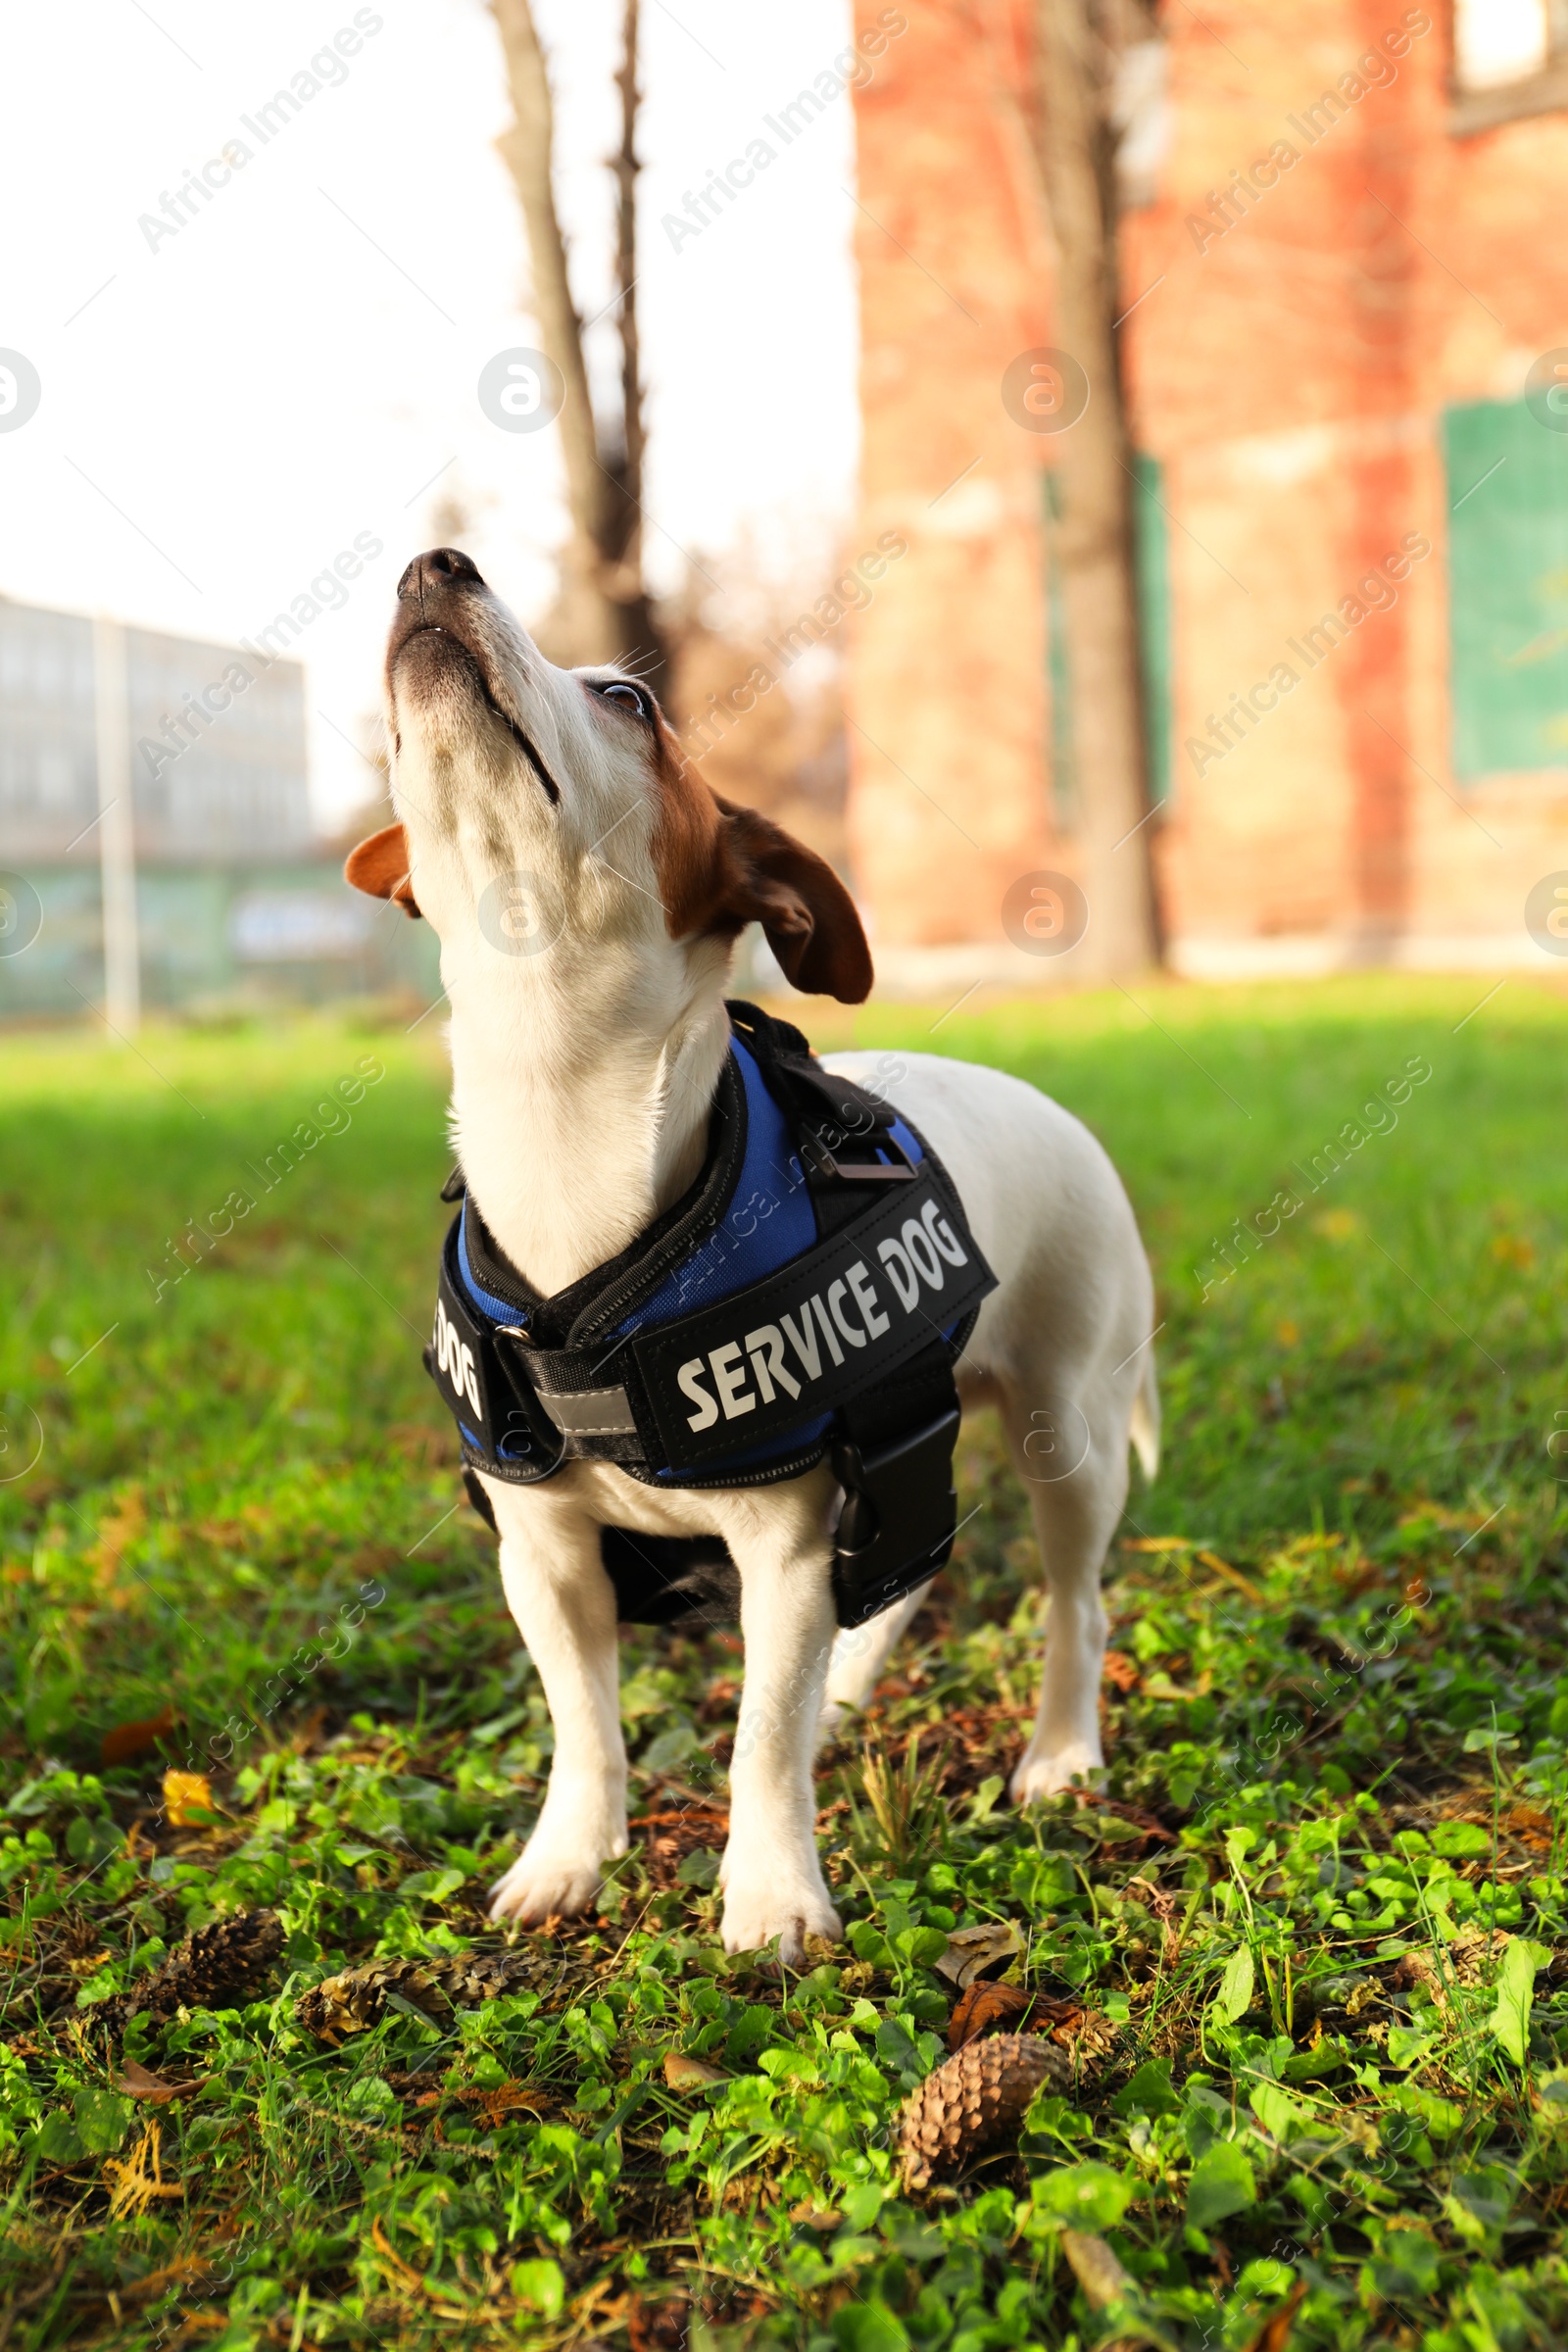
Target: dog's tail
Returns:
[1143, 1428]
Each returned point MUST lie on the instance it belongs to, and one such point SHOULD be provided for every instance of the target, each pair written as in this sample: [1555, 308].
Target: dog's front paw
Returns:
[789, 1906]
[1046, 1774]
[552, 1879]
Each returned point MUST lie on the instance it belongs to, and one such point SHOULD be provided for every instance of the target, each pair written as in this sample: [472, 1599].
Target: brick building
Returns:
[1346, 294]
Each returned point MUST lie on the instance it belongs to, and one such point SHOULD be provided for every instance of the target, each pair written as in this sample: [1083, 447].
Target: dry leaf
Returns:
[507, 2098]
[384, 2247]
[1243, 1584]
[129, 1740]
[986, 2008]
[187, 1798]
[136, 2083]
[1096, 2270]
[691, 2074]
[1275, 2333]
[139, 2182]
[972, 1950]
[815, 2217]
[662, 2327]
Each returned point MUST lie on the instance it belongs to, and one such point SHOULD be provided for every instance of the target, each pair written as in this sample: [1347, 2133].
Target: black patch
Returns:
[663, 1580]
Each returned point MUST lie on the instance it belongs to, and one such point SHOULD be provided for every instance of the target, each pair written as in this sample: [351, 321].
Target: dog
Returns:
[588, 1033]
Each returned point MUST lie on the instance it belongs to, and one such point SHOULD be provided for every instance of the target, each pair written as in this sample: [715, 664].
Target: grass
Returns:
[1309, 1953]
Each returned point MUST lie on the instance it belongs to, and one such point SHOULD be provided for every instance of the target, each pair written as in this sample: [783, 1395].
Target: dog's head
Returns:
[544, 809]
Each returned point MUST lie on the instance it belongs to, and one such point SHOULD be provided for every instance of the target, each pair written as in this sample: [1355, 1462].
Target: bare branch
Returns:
[527, 150]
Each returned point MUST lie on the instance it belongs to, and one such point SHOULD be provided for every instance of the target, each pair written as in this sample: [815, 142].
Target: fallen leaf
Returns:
[691, 2074]
[1120, 1670]
[139, 2180]
[1243, 1584]
[507, 2098]
[127, 1741]
[385, 2248]
[136, 2083]
[662, 2326]
[986, 2008]
[972, 1950]
[1275, 2333]
[1096, 2270]
[187, 1798]
[815, 2217]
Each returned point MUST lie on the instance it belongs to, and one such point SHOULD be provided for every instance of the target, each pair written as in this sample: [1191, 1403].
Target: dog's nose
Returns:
[439, 567]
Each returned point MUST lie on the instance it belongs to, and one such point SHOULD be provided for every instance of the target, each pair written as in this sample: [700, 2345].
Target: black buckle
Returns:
[823, 1160]
[899, 1518]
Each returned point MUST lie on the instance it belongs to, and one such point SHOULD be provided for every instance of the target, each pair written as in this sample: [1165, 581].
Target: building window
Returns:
[1507, 480]
[1143, 120]
[1510, 58]
[1499, 41]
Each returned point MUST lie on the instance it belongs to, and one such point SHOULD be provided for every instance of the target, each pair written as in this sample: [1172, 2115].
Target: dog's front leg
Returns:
[565, 1608]
[772, 1880]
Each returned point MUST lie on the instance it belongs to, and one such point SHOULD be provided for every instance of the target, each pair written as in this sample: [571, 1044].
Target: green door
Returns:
[1151, 559]
[1507, 478]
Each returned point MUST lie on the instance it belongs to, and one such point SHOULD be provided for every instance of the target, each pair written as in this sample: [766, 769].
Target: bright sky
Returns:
[220, 416]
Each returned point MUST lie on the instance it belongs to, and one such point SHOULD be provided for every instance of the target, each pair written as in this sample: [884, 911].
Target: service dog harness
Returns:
[807, 1297]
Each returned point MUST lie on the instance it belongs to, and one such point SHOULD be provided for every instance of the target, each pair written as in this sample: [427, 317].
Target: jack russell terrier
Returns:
[591, 1047]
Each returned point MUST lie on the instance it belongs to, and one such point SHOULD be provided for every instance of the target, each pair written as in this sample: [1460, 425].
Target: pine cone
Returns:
[216, 1968]
[976, 2098]
[356, 1999]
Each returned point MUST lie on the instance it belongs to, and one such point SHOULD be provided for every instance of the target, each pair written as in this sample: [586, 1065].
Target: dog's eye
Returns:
[628, 697]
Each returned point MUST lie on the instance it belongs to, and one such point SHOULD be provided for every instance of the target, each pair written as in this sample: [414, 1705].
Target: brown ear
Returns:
[806, 913]
[721, 867]
[379, 866]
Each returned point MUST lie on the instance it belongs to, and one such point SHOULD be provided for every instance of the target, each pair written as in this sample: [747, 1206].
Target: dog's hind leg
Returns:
[1073, 1460]
[859, 1654]
[565, 1608]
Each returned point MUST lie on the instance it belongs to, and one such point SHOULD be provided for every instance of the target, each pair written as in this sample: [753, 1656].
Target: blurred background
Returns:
[1107, 491]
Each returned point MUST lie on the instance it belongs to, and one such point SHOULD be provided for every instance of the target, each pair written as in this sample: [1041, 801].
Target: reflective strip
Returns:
[590, 1412]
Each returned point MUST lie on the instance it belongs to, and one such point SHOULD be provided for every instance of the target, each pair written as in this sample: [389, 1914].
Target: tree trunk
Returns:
[623, 541]
[602, 611]
[1094, 473]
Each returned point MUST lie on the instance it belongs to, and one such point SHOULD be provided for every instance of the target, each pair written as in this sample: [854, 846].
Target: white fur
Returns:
[582, 1080]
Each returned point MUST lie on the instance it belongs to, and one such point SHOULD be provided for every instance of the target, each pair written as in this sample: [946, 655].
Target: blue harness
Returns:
[807, 1296]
